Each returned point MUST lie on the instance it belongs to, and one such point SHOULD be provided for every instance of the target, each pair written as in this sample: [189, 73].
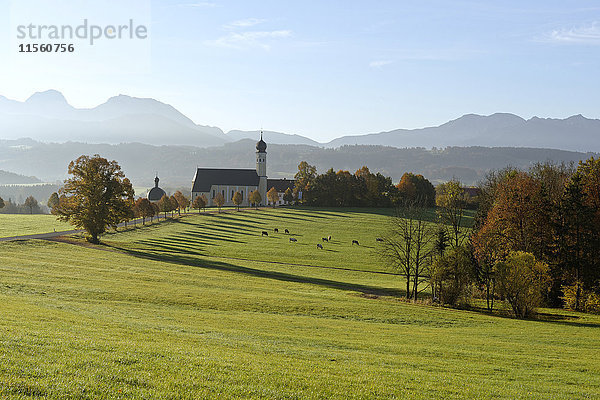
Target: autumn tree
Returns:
[416, 189]
[31, 203]
[237, 199]
[127, 213]
[52, 201]
[577, 241]
[199, 202]
[515, 215]
[273, 196]
[156, 211]
[182, 201]
[96, 195]
[219, 200]
[590, 174]
[304, 179]
[288, 196]
[255, 198]
[174, 205]
[164, 204]
[143, 209]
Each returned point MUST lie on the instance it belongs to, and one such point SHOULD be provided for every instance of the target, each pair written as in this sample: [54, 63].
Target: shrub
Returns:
[522, 280]
[589, 301]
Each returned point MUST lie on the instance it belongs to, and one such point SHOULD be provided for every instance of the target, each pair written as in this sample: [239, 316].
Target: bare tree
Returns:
[408, 246]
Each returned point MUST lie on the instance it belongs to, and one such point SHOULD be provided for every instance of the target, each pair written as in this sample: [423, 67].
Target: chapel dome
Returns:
[156, 193]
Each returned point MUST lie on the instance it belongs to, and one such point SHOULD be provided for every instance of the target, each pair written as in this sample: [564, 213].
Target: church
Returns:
[210, 181]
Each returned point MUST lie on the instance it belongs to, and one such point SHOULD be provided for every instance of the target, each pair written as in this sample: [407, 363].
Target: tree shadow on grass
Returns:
[305, 217]
[207, 230]
[174, 258]
[222, 221]
[543, 317]
[261, 217]
[196, 238]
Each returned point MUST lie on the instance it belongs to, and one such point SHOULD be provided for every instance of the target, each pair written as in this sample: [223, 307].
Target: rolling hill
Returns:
[176, 164]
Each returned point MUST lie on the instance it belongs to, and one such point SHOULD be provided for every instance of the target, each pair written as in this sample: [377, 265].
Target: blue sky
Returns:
[329, 68]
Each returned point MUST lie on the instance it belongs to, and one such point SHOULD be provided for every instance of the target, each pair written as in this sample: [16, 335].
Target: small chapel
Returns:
[210, 181]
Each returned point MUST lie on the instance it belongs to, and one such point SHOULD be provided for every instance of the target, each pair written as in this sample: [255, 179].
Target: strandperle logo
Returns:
[85, 31]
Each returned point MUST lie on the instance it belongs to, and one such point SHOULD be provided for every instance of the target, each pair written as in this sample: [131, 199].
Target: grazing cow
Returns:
[319, 246]
[329, 238]
[276, 230]
[378, 239]
[286, 231]
[324, 239]
[293, 240]
[355, 242]
[265, 233]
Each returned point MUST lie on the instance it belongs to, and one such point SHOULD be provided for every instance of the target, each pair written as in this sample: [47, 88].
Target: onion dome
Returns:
[261, 146]
[156, 193]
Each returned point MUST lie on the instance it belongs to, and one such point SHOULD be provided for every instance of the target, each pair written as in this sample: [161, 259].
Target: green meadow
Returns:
[206, 307]
[23, 224]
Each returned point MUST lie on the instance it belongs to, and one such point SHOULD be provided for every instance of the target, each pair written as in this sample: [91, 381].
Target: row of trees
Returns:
[29, 206]
[98, 196]
[361, 189]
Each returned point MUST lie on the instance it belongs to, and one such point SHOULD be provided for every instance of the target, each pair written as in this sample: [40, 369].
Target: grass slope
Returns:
[238, 235]
[23, 224]
[184, 322]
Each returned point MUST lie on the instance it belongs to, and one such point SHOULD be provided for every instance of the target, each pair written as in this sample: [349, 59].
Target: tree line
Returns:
[29, 206]
[552, 212]
[535, 240]
[98, 196]
[361, 189]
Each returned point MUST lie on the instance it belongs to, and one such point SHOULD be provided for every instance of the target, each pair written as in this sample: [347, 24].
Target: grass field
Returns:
[207, 308]
[24, 224]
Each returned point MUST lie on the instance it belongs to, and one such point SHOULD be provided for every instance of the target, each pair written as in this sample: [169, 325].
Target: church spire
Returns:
[261, 146]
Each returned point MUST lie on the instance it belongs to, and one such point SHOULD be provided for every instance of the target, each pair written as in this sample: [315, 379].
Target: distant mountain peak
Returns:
[123, 98]
[496, 119]
[47, 97]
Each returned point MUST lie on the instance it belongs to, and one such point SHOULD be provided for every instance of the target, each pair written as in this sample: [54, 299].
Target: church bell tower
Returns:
[261, 168]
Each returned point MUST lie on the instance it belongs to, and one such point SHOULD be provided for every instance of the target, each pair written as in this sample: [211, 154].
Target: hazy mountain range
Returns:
[48, 117]
[40, 136]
